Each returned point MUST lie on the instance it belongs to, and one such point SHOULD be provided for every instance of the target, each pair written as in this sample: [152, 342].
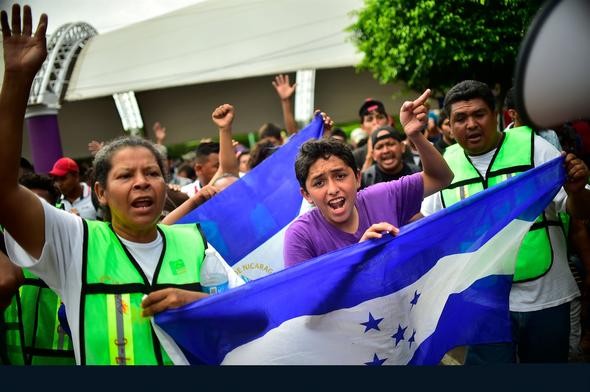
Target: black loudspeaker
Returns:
[552, 75]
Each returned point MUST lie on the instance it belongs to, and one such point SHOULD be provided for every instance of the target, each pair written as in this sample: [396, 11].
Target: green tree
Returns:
[435, 44]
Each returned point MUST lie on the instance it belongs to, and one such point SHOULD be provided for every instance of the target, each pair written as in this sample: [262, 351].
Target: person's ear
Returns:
[306, 195]
[100, 193]
[197, 167]
[358, 176]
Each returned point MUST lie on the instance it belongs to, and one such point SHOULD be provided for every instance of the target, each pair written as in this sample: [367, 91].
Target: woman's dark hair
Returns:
[315, 149]
[262, 150]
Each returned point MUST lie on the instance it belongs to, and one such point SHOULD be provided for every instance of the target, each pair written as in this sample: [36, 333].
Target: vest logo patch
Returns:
[178, 267]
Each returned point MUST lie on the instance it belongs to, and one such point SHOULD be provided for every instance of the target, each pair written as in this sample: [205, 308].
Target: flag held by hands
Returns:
[246, 222]
[442, 282]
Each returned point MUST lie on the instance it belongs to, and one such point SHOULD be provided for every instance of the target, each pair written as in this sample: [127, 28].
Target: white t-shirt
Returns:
[557, 286]
[191, 188]
[60, 264]
[83, 204]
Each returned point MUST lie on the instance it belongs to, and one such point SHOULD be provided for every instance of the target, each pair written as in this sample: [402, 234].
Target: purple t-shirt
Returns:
[393, 202]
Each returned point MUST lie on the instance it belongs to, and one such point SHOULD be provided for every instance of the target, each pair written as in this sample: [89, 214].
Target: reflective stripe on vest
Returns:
[34, 334]
[515, 154]
[112, 329]
[14, 333]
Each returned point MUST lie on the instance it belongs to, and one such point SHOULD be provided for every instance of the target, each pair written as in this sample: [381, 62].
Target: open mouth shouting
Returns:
[337, 203]
[474, 137]
[388, 159]
[142, 203]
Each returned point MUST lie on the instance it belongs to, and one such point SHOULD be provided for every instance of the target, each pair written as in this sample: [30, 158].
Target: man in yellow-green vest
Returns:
[543, 284]
[31, 332]
[34, 334]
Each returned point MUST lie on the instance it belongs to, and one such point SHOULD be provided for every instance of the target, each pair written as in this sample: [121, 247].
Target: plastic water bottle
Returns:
[213, 274]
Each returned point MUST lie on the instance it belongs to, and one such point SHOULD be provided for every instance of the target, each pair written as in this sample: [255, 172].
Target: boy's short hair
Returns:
[441, 118]
[205, 149]
[41, 181]
[315, 149]
[509, 100]
[270, 130]
[338, 132]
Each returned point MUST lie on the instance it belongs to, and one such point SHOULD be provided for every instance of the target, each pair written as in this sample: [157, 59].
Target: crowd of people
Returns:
[95, 254]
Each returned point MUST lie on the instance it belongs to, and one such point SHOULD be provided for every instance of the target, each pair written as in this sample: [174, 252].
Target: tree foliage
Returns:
[435, 44]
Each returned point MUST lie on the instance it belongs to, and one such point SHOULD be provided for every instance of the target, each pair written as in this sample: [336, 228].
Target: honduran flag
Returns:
[246, 223]
[443, 282]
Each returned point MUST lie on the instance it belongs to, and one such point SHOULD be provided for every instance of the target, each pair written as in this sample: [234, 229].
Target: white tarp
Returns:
[217, 40]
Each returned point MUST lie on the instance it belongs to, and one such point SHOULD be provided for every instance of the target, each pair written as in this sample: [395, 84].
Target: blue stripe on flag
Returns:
[488, 319]
[253, 209]
[211, 328]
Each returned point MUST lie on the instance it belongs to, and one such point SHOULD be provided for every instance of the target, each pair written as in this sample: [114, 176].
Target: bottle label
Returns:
[215, 284]
[215, 289]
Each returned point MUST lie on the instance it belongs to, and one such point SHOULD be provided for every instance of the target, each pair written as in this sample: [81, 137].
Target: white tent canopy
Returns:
[216, 40]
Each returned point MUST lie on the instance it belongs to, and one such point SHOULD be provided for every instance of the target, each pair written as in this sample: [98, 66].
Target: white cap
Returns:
[357, 135]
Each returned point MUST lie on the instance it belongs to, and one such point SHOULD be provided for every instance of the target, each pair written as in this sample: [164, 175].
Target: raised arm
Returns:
[436, 173]
[204, 194]
[285, 93]
[223, 117]
[21, 212]
[159, 133]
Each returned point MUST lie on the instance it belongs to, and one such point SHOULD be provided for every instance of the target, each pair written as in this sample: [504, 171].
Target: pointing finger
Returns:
[422, 98]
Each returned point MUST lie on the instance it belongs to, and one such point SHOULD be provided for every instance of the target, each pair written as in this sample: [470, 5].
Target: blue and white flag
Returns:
[246, 223]
[443, 282]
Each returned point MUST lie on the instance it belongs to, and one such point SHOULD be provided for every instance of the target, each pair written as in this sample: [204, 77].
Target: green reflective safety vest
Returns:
[112, 329]
[514, 155]
[34, 335]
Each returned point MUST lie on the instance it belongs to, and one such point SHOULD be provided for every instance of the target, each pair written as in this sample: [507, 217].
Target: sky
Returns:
[103, 15]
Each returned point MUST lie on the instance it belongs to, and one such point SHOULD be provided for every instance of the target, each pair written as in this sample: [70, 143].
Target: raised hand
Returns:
[328, 122]
[223, 116]
[159, 132]
[413, 115]
[204, 194]
[281, 84]
[23, 53]
[94, 146]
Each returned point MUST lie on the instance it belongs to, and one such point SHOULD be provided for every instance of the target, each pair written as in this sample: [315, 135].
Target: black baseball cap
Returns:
[391, 132]
[371, 105]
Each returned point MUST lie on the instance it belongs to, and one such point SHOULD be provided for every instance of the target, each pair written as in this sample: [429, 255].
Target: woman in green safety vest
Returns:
[113, 275]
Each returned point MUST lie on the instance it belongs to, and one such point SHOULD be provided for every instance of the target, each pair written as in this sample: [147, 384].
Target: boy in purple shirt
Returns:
[329, 179]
